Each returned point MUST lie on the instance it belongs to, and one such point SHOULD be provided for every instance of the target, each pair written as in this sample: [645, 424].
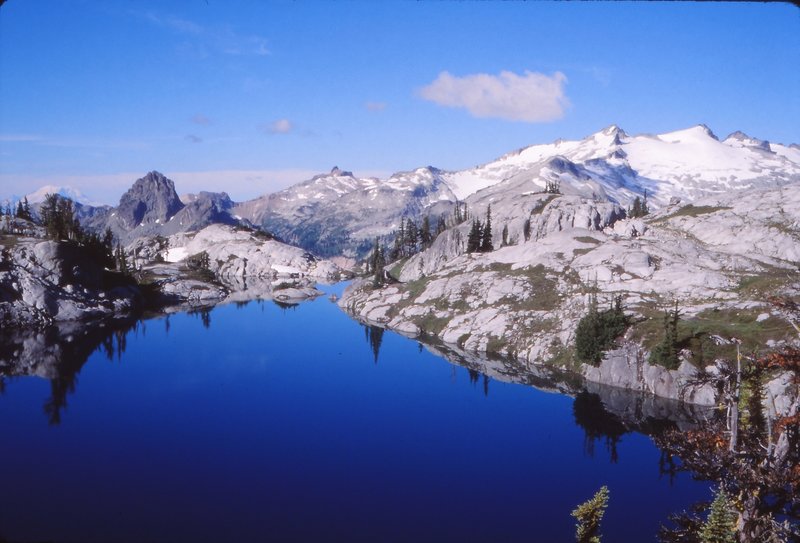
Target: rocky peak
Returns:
[707, 131]
[743, 139]
[615, 132]
[336, 171]
[151, 199]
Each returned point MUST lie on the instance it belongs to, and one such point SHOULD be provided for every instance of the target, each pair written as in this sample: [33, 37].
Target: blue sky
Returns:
[249, 96]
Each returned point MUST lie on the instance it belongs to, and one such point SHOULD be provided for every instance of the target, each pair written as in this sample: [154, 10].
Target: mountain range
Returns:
[340, 214]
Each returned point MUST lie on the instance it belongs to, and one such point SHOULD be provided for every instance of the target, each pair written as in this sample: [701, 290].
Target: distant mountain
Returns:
[152, 207]
[37, 197]
[339, 213]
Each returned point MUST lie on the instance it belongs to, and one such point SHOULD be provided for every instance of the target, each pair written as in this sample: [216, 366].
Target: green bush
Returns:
[598, 330]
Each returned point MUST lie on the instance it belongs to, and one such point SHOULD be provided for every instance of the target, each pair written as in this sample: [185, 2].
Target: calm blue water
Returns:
[277, 424]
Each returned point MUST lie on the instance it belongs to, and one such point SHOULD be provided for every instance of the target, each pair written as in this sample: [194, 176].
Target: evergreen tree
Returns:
[666, 353]
[598, 330]
[505, 235]
[20, 211]
[636, 209]
[552, 186]
[26, 209]
[721, 524]
[58, 218]
[589, 514]
[645, 208]
[486, 233]
[526, 229]
[411, 237]
[441, 225]
[474, 237]
[425, 236]
[121, 260]
[378, 278]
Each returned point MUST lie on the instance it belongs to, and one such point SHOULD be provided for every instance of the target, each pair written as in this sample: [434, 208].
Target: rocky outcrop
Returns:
[627, 367]
[222, 263]
[45, 281]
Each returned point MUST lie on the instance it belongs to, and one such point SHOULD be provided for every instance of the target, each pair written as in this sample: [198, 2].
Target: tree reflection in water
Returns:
[374, 336]
[59, 353]
[597, 423]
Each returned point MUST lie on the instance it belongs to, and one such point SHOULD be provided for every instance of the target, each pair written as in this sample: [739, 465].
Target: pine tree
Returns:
[636, 209]
[526, 229]
[589, 514]
[474, 238]
[379, 261]
[505, 236]
[721, 524]
[425, 236]
[486, 234]
[20, 211]
[645, 208]
[411, 238]
[666, 353]
[441, 225]
[598, 330]
[26, 209]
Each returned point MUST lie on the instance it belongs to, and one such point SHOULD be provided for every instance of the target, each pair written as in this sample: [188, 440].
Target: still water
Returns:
[259, 422]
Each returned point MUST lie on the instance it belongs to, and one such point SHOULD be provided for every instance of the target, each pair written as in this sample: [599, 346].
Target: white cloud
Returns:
[281, 126]
[375, 106]
[531, 97]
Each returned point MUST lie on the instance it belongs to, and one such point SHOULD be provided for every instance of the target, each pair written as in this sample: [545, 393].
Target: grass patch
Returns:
[583, 251]
[398, 266]
[695, 334]
[431, 325]
[691, 210]
[496, 345]
[541, 204]
[759, 287]
[587, 239]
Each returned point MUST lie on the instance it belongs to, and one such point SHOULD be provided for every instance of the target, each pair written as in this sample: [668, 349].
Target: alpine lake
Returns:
[262, 421]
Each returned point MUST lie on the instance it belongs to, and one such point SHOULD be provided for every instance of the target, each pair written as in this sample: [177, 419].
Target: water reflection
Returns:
[58, 353]
[605, 413]
[374, 336]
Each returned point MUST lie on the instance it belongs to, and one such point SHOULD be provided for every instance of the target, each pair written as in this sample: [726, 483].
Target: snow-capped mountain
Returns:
[338, 212]
[38, 196]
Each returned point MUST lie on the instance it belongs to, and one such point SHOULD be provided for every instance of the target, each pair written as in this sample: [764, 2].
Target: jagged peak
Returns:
[738, 135]
[707, 131]
[614, 131]
[741, 138]
[336, 171]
